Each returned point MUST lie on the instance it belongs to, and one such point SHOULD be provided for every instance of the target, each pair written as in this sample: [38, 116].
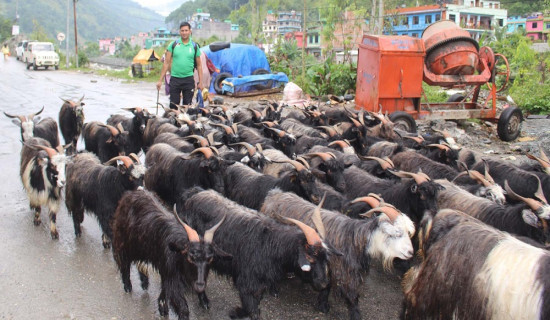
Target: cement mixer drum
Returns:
[450, 50]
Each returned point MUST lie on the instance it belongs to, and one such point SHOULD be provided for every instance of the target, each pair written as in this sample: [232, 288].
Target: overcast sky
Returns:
[163, 7]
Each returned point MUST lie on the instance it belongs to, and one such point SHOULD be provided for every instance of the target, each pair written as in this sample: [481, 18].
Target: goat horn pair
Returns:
[269, 124]
[419, 178]
[325, 156]
[32, 115]
[220, 118]
[50, 151]
[134, 157]
[313, 237]
[341, 143]
[476, 175]
[418, 139]
[355, 122]
[250, 148]
[487, 175]
[280, 133]
[256, 113]
[385, 163]
[532, 203]
[192, 235]
[303, 161]
[114, 131]
[296, 164]
[71, 103]
[126, 160]
[543, 160]
[317, 219]
[390, 211]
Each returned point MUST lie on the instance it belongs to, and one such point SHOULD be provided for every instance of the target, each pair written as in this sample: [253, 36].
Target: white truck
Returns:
[40, 54]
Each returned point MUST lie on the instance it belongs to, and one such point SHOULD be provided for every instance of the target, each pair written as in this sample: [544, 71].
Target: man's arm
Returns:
[165, 67]
[199, 71]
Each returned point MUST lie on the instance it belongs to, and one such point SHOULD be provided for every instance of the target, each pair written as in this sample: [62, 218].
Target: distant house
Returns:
[289, 22]
[516, 23]
[537, 27]
[107, 46]
[413, 21]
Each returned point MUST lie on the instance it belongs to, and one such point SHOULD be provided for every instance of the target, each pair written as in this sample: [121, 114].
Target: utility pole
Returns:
[381, 17]
[373, 15]
[304, 42]
[67, 37]
[75, 34]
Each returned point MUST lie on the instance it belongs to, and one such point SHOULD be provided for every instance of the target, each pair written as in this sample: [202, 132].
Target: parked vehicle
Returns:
[40, 54]
[20, 49]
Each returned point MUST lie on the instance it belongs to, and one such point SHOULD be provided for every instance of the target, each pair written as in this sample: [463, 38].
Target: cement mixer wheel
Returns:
[509, 124]
[404, 121]
[501, 70]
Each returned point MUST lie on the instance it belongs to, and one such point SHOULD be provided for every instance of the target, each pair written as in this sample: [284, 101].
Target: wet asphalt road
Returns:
[72, 278]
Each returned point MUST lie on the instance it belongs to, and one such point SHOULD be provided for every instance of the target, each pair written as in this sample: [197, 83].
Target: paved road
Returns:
[74, 278]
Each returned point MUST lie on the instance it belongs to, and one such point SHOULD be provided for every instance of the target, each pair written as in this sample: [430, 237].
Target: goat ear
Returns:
[16, 122]
[414, 188]
[36, 119]
[319, 174]
[178, 247]
[530, 218]
[332, 251]
[220, 254]
[203, 163]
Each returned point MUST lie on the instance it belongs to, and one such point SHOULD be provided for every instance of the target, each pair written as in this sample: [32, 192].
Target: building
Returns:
[225, 31]
[269, 27]
[200, 16]
[475, 16]
[413, 21]
[107, 46]
[289, 22]
[537, 27]
[515, 23]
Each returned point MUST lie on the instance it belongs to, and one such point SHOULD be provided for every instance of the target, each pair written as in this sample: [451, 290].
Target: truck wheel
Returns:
[218, 81]
[509, 124]
[404, 121]
[457, 97]
[268, 84]
[56, 67]
[28, 64]
[46, 67]
[34, 66]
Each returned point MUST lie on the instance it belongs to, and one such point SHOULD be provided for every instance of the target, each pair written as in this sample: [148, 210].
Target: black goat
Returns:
[135, 127]
[144, 232]
[97, 188]
[385, 237]
[71, 120]
[105, 141]
[170, 172]
[42, 171]
[263, 250]
[249, 188]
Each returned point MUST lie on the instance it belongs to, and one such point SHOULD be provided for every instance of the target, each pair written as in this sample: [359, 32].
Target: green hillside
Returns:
[95, 18]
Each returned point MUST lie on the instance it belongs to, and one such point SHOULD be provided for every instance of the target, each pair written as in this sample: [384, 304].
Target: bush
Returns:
[531, 96]
[433, 94]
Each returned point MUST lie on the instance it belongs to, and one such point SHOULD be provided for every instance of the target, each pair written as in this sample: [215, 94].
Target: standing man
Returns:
[182, 56]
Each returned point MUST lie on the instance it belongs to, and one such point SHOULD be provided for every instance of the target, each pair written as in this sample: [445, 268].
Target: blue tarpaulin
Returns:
[238, 59]
[249, 83]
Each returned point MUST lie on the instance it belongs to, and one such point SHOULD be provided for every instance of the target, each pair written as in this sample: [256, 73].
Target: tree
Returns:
[38, 33]
[5, 28]
[91, 49]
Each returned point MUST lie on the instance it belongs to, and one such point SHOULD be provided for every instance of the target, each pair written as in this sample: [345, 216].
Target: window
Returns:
[548, 26]
[496, 5]
[316, 38]
[452, 17]
[415, 35]
[520, 26]
[501, 22]
[437, 17]
[428, 19]
[534, 25]
[415, 19]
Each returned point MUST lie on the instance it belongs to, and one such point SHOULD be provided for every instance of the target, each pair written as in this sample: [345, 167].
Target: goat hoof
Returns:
[55, 235]
[145, 284]
[163, 308]
[323, 307]
[107, 245]
[204, 302]
[37, 221]
[128, 288]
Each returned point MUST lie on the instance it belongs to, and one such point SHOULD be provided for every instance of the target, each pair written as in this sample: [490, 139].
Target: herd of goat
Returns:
[258, 191]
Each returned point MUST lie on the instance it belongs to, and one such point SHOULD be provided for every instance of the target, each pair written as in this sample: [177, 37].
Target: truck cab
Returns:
[40, 54]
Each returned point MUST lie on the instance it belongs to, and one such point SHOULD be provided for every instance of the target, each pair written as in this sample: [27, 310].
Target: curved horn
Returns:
[250, 148]
[51, 151]
[355, 122]
[280, 133]
[296, 164]
[130, 109]
[303, 161]
[114, 131]
[134, 157]
[126, 160]
[192, 235]
[330, 130]
[209, 234]
[487, 175]
[544, 163]
[390, 211]
[21, 118]
[341, 143]
[256, 113]
[372, 201]
[532, 203]
[32, 115]
[476, 175]
[204, 150]
[418, 139]
[202, 140]
[540, 194]
[72, 104]
[259, 147]
[418, 178]
[384, 163]
[225, 127]
[439, 146]
[325, 156]
[120, 127]
[269, 124]
[80, 100]
[317, 220]
[312, 236]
